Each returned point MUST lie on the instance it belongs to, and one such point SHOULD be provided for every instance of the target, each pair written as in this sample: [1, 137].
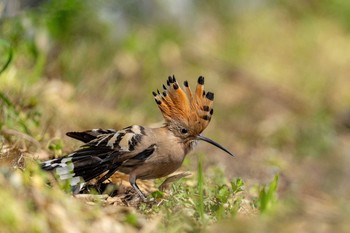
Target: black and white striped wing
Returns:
[99, 154]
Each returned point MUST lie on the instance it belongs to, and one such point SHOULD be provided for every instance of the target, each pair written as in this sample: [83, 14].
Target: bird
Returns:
[139, 151]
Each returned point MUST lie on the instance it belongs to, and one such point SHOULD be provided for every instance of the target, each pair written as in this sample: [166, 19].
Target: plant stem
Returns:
[200, 189]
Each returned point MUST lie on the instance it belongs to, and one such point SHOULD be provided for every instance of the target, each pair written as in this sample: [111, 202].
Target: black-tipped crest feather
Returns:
[186, 107]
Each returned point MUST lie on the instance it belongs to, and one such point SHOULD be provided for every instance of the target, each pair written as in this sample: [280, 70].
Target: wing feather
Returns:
[103, 152]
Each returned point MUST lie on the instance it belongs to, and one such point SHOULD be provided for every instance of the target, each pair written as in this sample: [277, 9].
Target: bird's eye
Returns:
[184, 131]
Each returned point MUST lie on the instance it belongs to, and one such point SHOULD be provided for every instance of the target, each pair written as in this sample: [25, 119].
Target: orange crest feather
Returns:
[191, 109]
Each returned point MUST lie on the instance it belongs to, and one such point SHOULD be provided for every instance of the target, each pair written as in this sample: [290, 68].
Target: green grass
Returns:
[267, 196]
[279, 71]
[7, 53]
[200, 185]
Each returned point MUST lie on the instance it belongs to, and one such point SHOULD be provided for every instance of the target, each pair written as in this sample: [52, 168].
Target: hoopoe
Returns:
[142, 152]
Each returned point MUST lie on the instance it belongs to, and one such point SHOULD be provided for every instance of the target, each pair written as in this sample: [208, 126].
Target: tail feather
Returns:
[85, 162]
[93, 173]
[79, 167]
[86, 168]
[95, 158]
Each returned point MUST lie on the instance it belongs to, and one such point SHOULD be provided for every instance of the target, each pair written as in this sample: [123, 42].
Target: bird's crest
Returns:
[194, 110]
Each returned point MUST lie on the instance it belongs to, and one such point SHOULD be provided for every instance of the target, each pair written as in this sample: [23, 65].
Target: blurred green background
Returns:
[279, 70]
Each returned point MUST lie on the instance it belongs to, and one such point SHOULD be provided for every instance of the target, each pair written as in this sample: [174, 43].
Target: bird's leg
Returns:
[132, 181]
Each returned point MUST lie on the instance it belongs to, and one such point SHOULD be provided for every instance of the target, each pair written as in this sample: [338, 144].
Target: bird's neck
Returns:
[189, 146]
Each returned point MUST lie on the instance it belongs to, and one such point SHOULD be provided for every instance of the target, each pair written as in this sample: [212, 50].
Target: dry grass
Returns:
[280, 78]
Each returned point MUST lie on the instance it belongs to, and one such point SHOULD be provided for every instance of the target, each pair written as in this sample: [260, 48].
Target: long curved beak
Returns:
[208, 140]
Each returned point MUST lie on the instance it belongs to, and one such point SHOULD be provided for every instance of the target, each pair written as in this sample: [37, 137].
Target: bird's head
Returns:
[186, 114]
